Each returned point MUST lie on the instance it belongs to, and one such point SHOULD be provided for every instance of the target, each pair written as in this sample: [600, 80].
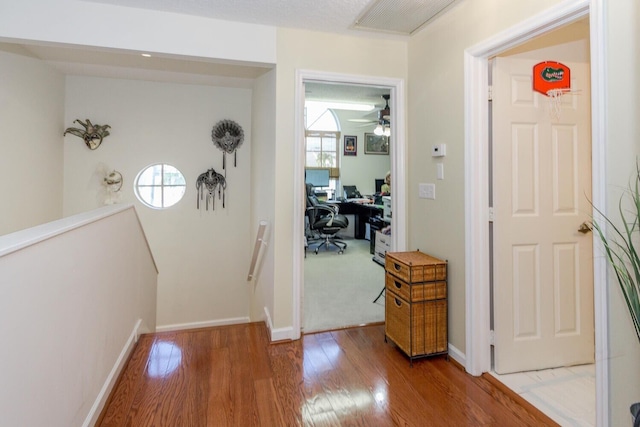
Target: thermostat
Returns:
[438, 150]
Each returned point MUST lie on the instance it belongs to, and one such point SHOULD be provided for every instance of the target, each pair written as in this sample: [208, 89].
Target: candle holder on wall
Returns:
[92, 135]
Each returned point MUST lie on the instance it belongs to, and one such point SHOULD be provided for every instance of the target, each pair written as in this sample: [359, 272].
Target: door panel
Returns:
[543, 274]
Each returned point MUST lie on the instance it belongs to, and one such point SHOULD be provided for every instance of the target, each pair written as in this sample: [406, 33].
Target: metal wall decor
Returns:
[227, 135]
[91, 134]
[210, 182]
[112, 185]
[113, 181]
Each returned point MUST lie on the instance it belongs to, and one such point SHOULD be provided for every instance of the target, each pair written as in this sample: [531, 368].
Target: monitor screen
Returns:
[317, 177]
[379, 183]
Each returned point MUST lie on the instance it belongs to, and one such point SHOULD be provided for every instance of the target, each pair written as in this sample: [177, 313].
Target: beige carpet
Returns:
[339, 289]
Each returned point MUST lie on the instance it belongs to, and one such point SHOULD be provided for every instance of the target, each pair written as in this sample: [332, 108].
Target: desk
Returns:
[362, 214]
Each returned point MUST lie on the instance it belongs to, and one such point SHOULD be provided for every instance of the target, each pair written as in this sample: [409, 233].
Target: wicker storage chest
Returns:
[416, 303]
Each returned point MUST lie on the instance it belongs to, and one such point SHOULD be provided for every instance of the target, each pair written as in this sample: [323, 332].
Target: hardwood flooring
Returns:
[233, 376]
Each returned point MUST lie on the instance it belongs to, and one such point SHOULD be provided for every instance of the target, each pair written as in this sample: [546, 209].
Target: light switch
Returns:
[427, 191]
[440, 169]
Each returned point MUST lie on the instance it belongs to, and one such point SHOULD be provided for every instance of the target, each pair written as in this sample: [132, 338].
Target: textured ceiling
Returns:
[392, 18]
[336, 16]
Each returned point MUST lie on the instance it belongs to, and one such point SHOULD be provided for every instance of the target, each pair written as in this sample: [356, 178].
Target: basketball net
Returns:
[555, 101]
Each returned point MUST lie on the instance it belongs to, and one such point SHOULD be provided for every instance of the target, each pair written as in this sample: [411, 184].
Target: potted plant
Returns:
[621, 247]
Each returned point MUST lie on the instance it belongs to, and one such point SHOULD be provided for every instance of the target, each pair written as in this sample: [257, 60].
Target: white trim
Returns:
[110, 381]
[457, 355]
[18, 240]
[476, 181]
[282, 334]
[398, 170]
[598, 194]
[204, 324]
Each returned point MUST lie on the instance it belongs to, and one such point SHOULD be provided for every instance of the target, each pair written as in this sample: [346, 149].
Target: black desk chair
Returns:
[324, 223]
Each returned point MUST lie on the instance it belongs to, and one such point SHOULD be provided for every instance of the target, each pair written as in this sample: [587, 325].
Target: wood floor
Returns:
[233, 376]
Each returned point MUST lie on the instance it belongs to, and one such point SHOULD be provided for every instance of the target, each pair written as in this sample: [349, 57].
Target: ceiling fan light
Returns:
[378, 130]
[387, 131]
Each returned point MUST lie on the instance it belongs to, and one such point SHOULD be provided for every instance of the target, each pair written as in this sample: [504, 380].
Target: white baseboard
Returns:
[280, 334]
[205, 324]
[457, 355]
[110, 382]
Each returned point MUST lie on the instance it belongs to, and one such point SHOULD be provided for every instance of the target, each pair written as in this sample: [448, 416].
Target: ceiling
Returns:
[336, 16]
[358, 94]
[386, 18]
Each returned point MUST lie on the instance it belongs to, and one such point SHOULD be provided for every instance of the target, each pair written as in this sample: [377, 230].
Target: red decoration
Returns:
[550, 75]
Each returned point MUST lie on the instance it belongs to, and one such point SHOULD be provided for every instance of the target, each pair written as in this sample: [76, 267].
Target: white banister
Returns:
[257, 248]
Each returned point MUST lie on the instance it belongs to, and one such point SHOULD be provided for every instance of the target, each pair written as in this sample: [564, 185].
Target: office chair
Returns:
[324, 223]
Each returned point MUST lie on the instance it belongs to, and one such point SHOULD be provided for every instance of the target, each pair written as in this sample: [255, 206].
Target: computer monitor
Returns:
[317, 177]
[379, 183]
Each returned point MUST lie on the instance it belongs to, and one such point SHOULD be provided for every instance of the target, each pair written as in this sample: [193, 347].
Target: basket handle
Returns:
[397, 266]
[397, 284]
[398, 302]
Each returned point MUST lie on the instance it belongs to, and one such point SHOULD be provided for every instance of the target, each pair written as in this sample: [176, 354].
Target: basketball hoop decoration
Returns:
[227, 135]
[553, 80]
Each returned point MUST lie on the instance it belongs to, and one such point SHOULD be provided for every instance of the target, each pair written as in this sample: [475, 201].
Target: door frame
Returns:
[397, 160]
[477, 285]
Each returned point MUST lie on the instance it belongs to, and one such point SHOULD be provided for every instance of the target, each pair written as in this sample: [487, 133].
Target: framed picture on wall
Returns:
[350, 145]
[376, 144]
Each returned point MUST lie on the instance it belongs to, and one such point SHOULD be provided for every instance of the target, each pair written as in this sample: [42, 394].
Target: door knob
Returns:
[584, 228]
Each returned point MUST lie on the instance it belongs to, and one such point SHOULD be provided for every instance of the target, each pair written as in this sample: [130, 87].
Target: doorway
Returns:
[542, 314]
[341, 279]
[397, 161]
[478, 353]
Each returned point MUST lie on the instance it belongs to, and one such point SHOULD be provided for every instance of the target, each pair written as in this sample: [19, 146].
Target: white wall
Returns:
[262, 191]
[299, 49]
[78, 22]
[436, 115]
[75, 295]
[31, 128]
[202, 256]
[623, 149]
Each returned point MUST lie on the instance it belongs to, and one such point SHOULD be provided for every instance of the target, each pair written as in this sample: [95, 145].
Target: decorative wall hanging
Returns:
[227, 135]
[91, 134]
[210, 182]
[113, 184]
[113, 181]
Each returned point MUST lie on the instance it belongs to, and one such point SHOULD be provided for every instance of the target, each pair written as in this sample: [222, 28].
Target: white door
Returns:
[543, 270]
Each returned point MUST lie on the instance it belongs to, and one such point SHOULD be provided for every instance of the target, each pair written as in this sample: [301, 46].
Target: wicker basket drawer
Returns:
[416, 291]
[435, 290]
[397, 321]
[415, 266]
[434, 327]
[401, 288]
[418, 328]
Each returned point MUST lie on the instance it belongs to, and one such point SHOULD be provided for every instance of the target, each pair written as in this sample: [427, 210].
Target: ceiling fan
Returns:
[382, 118]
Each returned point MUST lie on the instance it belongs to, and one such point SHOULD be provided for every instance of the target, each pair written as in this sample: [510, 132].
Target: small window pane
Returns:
[313, 143]
[172, 195]
[151, 176]
[172, 176]
[328, 160]
[312, 159]
[329, 144]
[160, 186]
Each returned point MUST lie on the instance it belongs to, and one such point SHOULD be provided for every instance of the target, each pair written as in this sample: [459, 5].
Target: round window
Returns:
[160, 186]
